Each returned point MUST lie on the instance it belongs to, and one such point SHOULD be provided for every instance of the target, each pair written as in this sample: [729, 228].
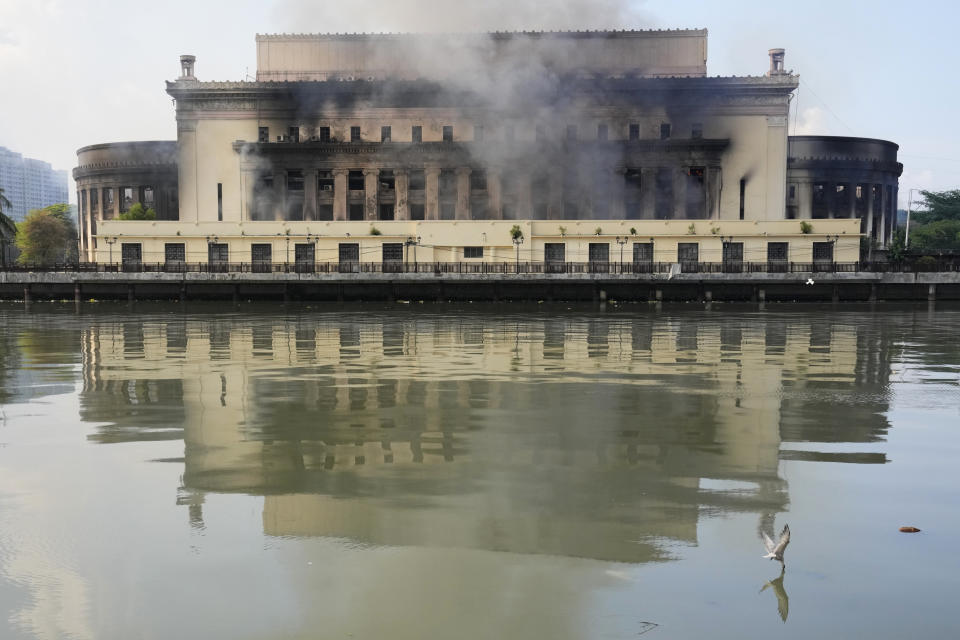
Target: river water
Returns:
[477, 471]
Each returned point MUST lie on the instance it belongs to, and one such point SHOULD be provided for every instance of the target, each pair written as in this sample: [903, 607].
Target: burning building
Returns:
[358, 147]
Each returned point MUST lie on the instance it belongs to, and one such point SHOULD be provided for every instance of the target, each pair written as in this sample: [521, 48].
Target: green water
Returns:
[478, 471]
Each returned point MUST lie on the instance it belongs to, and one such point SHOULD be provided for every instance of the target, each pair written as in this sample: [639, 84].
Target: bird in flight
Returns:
[775, 551]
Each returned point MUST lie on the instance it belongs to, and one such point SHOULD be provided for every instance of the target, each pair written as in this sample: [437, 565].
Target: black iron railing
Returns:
[505, 268]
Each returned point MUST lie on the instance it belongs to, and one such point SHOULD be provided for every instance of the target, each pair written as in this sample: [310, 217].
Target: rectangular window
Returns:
[665, 131]
[293, 133]
[635, 132]
[688, 252]
[94, 205]
[448, 211]
[349, 252]
[146, 197]
[416, 212]
[324, 212]
[385, 134]
[473, 252]
[478, 180]
[643, 252]
[218, 253]
[325, 182]
[130, 253]
[304, 255]
[554, 252]
[355, 180]
[356, 212]
[261, 257]
[263, 134]
[743, 197]
[220, 202]
[447, 133]
[478, 132]
[602, 132]
[126, 199]
[354, 134]
[697, 130]
[416, 134]
[386, 212]
[793, 192]
[324, 134]
[108, 203]
[823, 252]
[732, 254]
[599, 252]
[174, 253]
[417, 180]
[392, 251]
[777, 251]
[663, 194]
[294, 180]
[571, 132]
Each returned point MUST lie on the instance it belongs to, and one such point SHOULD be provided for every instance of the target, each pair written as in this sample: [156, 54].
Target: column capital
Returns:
[339, 172]
[432, 170]
[401, 172]
[463, 171]
[371, 172]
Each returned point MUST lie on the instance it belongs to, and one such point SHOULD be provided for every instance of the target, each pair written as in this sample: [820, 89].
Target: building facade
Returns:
[30, 184]
[363, 148]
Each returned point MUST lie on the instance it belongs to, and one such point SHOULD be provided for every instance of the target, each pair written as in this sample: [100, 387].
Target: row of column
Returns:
[849, 210]
[521, 200]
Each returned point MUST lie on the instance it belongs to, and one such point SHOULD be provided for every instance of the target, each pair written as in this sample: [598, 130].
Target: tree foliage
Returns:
[938, 205]
[138, 212]
[47, 236]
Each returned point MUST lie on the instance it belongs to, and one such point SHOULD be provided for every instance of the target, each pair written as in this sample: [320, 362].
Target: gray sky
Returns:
[80, 72]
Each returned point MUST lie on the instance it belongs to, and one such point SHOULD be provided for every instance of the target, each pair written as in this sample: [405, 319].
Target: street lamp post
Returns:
[621, 241]
[517, 241]
[110, 242]
[906, 234]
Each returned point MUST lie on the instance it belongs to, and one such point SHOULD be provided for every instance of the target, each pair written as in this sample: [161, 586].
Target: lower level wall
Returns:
[480, 241]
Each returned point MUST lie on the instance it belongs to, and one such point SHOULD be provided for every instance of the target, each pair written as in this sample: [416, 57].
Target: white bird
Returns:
[775, 551]
[809, 280]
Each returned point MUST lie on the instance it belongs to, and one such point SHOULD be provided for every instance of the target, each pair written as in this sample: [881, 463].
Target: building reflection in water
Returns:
[602, 437]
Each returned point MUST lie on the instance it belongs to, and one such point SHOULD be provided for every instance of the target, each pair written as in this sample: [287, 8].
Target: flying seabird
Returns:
[775, 551]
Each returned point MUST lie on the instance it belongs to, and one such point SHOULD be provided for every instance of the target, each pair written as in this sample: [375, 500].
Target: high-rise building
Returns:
[29, 184]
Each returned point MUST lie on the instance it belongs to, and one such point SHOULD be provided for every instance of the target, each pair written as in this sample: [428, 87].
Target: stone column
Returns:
[116, 202]
[870, 201]
[648, 193]
[616, 192]
[310, 194]
[463, 193]
[852, 200]
[371, 184]
[713, 192]
[679, 193]
[495, 194]
[524, 206]
[805, 200]
[279, 194]
[402, 191]
[831, 197]
[340, 194]
[431, 194]
[554, 195]
[884, 205]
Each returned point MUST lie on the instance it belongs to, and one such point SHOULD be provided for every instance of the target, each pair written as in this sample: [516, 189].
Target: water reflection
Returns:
[783, 601]
[603, 437]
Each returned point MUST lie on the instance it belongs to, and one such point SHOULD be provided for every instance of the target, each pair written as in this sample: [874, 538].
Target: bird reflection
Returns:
[783, 601]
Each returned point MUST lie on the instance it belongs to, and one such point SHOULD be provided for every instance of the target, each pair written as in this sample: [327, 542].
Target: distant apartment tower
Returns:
[29, 184]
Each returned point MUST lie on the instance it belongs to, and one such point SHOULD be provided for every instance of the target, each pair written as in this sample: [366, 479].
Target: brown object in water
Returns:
[909, 530]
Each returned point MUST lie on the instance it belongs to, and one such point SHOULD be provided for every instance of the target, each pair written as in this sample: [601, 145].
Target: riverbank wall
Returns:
[293, 287]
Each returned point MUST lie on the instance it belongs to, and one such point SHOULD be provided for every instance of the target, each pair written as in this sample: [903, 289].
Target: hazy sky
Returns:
[79, 72]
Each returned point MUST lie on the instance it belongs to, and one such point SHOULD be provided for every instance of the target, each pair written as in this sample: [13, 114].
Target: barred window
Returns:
[643, 252]
[473, 252]
[777, 251]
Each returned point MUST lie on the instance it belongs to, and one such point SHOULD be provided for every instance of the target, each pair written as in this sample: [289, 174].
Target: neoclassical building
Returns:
[356, 148]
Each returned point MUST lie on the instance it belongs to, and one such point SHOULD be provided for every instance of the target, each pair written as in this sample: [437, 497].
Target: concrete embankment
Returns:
[756, 287]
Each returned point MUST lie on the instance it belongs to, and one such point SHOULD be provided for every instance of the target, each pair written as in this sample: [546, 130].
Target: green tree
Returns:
[47, 236]
[938, 205]
[138, 212]
[942, 235]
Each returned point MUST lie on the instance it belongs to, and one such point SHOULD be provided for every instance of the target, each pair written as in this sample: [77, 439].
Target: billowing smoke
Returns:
[442, 16]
